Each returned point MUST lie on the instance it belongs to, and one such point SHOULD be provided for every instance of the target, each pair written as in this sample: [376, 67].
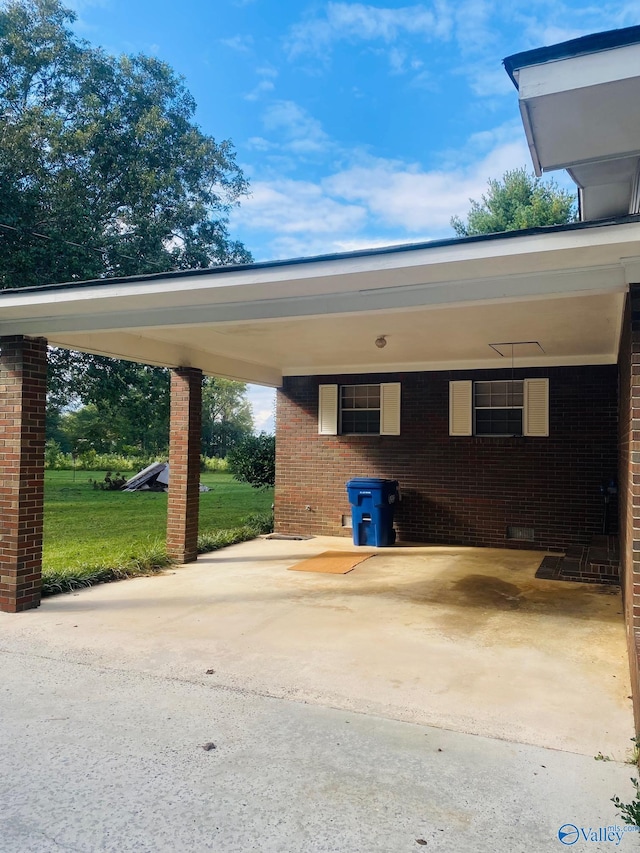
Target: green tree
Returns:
[518, 200]
[103, 172]
[226, 415]
[87, 429]
[101, 156]
[253, 461]
[132, 401]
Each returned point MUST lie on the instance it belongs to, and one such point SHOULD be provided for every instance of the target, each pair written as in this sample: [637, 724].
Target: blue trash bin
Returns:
[373, 502]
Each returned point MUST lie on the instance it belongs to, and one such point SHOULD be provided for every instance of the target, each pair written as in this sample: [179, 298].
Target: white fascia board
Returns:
[511, 288]
[530, 136]
[164, 354]
[579, 72]
[453, 273]
[468, 364]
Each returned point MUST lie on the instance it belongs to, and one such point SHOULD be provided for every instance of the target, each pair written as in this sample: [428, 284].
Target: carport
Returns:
[449, 310]
[458, 638]
[440, 303]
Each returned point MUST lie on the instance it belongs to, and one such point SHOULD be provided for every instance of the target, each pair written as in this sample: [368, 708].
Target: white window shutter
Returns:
[390, 408]
[327, 409]
[460, 407]
[536, 407]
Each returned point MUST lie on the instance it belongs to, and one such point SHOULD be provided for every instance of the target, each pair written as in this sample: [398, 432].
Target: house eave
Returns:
[258, 323]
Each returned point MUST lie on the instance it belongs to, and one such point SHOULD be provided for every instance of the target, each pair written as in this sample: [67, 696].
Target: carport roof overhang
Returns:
[440, 304]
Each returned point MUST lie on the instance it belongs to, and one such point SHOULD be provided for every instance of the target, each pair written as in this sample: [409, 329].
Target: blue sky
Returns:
[357, 124]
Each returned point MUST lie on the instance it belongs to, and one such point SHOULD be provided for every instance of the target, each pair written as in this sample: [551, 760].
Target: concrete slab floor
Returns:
[458, 638]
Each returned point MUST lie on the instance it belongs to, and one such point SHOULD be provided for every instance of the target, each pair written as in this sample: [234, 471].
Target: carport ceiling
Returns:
[440, 305]
[583, 330]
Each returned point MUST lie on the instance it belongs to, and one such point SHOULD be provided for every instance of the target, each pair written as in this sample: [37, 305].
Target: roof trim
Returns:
[360, 253]
[593, 43]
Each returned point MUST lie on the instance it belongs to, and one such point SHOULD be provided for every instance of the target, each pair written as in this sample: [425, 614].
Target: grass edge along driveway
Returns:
[92, 536]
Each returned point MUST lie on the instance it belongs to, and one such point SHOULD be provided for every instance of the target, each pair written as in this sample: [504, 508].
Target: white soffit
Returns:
[580, 113]
[578, 330]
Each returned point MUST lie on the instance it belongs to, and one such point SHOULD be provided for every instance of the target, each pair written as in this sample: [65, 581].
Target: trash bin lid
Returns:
[370, 483]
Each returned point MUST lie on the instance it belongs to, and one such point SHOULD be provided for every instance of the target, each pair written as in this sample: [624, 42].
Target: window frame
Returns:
[342, 409]
[498, 408]
[535, 413]
[390, 408]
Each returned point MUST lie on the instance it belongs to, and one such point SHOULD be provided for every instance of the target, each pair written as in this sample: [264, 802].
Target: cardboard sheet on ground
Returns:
[331, 562]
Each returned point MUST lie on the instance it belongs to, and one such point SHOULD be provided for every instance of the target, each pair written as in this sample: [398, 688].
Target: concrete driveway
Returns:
[459, 638]
[316, 691]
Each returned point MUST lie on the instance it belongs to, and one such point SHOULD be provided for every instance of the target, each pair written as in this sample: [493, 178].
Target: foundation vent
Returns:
[523, 534]
[346, 521]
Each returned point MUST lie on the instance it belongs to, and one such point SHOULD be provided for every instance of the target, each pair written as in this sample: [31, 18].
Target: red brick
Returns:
[23, 370]
[184, 464]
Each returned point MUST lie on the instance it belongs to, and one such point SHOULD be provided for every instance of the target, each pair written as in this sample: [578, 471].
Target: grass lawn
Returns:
[87, 527]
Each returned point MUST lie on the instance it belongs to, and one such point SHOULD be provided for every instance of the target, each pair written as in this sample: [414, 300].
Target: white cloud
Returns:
[405, 197]
[259, 143]
[487, 81]
[262, 87]
[366, 243]
[375, 201]
[262, 402]
[478, 28]
[299, 132]
[240, 43]
[551, 26]
[267, 71]
[360, 22]
[289, 207]
[473, 27]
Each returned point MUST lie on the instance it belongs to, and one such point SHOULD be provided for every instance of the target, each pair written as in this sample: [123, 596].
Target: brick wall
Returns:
[184, 464]
[23, 377]
[461, 490]
[629, 485]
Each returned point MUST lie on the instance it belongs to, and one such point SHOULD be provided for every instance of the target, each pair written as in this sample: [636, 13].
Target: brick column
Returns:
[629, 485]
[23, 386]
[184, 464]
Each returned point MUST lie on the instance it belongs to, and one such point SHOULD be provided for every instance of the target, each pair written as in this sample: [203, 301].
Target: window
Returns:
[359, 409]
[499, 407]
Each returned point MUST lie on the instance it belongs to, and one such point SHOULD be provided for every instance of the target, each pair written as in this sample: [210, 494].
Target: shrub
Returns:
[92, 461]
[253, 461]
[261, 522]
[213, 464]
[630, 812]
[53, 455]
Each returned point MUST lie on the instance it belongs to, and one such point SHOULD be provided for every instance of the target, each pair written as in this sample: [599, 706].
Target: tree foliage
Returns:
[116, 405]
[126, 408]
[518, 200]
[253, 461]
[103, 172]
[101, 156]
[227, 418]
